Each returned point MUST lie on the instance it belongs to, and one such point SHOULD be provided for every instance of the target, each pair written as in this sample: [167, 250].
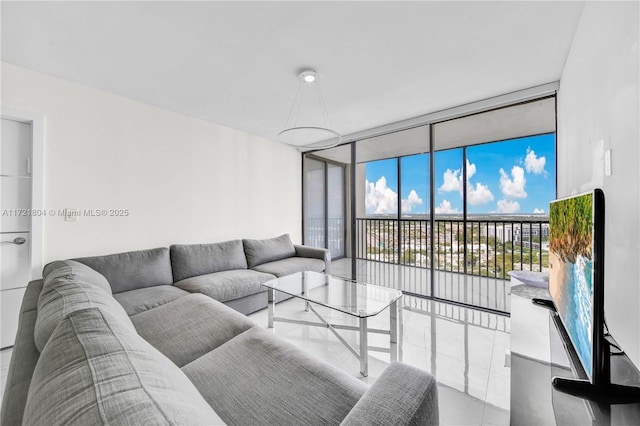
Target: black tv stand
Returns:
[602, 391]
[610, 394]
[539, 353]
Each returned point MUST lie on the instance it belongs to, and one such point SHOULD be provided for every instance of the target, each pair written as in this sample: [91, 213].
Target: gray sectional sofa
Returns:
[139, 338]
[231, 272]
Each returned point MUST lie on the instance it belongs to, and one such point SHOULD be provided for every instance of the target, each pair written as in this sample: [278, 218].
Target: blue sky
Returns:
[514, 176]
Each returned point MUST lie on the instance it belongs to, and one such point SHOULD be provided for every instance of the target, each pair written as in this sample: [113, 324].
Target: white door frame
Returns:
[37, 183]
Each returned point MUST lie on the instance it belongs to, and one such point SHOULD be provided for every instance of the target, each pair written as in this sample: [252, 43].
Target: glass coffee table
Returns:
[350, 297]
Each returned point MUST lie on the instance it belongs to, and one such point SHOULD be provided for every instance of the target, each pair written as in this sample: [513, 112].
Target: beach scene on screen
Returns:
[571, 270]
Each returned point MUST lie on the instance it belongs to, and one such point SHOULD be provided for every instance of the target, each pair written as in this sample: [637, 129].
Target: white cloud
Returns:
[453, 178]
[534, 164]
[452, 181]
[471, 170]
[505, 206]
[411, 201]
[479, 195]
[445, 207]
[380, 199]
[513, 188]
[538, 211]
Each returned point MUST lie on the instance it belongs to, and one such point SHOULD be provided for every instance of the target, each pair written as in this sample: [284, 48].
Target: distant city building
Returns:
[516, 232]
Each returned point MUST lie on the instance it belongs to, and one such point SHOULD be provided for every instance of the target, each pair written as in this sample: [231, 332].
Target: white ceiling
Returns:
[235, 63]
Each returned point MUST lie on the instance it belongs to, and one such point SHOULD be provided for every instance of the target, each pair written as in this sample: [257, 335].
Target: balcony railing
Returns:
[478, 247]
[335, 234]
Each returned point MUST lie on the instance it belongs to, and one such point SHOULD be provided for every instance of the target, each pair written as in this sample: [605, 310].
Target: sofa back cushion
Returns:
[70, 286]
[95, 370]
[263, 251]
[70, 269]
[134, 269]
[190, 260]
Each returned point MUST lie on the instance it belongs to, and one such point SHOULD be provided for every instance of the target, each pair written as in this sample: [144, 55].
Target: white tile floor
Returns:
[463, 348]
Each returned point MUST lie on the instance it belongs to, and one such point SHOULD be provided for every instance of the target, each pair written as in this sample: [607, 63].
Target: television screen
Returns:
[571, 274]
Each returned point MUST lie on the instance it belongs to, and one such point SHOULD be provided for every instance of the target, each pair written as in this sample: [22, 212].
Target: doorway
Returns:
[21, 214]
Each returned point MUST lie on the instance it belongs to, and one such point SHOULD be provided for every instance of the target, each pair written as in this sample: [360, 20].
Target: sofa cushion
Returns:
[70, 286]
[290, 265]
[134, 269]
[272, 383]
[190, 260]
[74, 270]
[383, 404]
[187, 328]
[263, 251]
[94, 370]
[226, 285]
[143, 299]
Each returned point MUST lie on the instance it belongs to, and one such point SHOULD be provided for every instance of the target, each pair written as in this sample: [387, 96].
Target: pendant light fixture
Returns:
[308, 126]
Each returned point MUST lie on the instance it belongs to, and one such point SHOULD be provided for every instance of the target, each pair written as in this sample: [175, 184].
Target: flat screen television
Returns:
[576, 285]
[575, 273]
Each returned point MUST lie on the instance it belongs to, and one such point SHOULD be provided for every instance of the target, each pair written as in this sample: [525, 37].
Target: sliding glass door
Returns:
[314, 203]
[324, 205]
[336, 226]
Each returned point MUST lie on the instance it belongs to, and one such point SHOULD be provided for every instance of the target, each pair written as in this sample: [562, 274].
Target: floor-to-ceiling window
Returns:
[507, 203]
[451, 224]
[449, 251]
[378, 228]
[391, 188]
[415, 208]
[495, 175]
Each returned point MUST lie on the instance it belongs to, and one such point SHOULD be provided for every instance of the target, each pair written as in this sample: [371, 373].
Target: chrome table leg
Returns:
[271, 306]
[364, 345]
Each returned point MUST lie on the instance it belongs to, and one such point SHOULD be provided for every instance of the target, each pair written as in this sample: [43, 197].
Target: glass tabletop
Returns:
[351, 297]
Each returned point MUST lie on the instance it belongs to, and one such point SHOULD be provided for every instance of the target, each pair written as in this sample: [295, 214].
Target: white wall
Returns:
[598, 110]
[183, 180]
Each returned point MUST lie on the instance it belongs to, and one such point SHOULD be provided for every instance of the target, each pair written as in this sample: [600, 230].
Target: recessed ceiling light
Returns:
[308, 76]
